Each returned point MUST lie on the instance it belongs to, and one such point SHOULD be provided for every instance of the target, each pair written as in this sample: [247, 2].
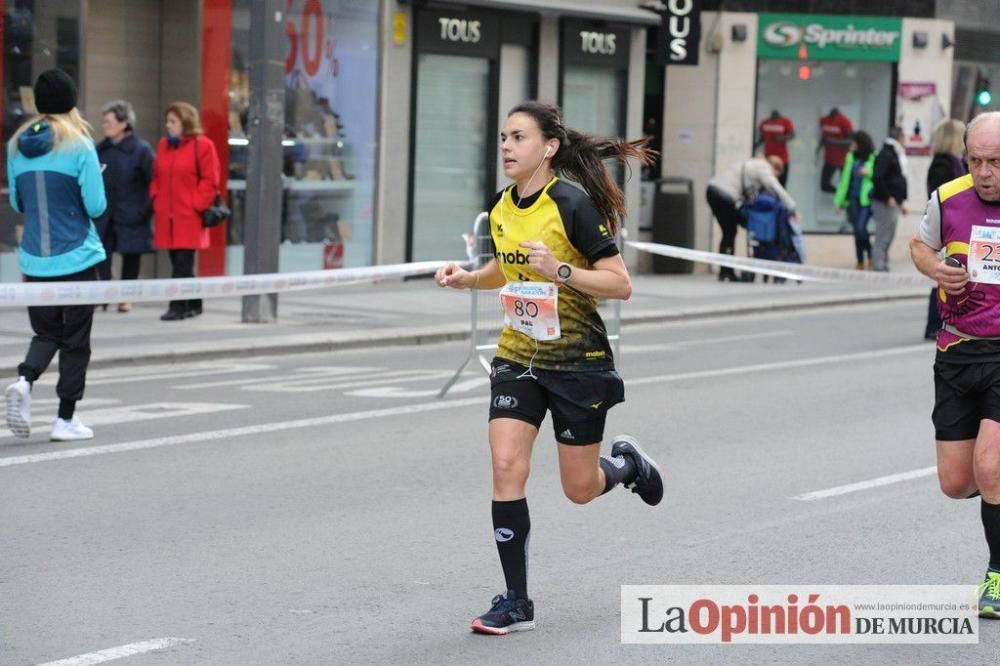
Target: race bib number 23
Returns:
[532, 308]
[984, 255]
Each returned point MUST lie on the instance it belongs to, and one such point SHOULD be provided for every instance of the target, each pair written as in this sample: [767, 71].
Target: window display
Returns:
[328, 160]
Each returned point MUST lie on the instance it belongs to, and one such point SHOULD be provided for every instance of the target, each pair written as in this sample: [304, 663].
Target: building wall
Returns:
[180, 52]
[123, 61]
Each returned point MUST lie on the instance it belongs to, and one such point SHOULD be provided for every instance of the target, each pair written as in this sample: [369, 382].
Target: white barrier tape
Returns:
[139, 291]
[785, 270]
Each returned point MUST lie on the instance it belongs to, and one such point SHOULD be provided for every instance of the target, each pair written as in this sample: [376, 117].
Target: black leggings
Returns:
[728, 215]
[182, 263]
[130, 267]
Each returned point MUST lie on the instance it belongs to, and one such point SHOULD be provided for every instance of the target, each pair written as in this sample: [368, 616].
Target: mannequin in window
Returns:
[775, 132]
[835, 139]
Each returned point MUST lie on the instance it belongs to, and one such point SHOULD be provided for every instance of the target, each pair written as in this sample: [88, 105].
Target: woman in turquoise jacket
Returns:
[854, 194]
[55, 182]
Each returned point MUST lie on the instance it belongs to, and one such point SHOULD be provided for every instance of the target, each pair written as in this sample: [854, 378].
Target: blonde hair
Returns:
[67, 128]
[949, 137]
[188, 115]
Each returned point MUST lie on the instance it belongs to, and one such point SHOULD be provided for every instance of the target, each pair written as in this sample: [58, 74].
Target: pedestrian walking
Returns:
[888, 195]
[854, 195]
[948, 144]
[555, 256]
[127, 161]
[55, 182]
[960, 220]
[185, 183]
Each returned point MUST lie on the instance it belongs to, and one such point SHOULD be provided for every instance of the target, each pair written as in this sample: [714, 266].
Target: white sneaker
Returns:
[18, 397]
[68, 431]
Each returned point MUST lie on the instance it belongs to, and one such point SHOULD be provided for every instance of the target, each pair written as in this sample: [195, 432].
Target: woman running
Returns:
[555, 255]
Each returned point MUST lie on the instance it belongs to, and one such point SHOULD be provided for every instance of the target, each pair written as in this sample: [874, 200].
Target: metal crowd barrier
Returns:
[486, 315]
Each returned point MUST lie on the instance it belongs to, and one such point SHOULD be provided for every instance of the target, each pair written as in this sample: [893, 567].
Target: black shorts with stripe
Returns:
[579, 400]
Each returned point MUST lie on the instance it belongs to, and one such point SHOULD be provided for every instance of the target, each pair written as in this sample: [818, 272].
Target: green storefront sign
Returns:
[828, 37]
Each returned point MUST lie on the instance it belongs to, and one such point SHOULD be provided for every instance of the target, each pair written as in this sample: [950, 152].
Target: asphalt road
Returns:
[328, 508]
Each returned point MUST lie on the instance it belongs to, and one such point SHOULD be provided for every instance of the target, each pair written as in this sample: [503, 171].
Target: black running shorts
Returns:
[579, 401]
[964, 394]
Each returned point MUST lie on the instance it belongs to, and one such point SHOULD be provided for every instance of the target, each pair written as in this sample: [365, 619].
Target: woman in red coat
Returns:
[184, 186]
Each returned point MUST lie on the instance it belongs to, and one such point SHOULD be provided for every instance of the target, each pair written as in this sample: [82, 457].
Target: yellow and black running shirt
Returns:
[565, 219]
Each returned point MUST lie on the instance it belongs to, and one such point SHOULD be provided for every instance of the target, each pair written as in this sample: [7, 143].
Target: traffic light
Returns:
[983, 94]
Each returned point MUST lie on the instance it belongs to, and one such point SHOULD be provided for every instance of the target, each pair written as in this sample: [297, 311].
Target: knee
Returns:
[510, 470]
[956, 485]
[578, 492]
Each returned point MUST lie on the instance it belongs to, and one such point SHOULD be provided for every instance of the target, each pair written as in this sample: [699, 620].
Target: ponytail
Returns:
[581, 158]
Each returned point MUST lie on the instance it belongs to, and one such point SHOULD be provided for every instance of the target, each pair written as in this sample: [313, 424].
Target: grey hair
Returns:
[122, 111]
[986, 115]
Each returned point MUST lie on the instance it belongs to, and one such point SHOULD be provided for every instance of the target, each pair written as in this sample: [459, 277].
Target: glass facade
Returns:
[328, 165]
[37, 35]
[861, 91]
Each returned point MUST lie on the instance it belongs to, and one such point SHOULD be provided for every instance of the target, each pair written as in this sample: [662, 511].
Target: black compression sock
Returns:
[511, 526]
[66, 409]
[620, 469]
[991, 525]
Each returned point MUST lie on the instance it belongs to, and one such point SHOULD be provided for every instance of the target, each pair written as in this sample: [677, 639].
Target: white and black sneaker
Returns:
[18, 397]
[648, 483]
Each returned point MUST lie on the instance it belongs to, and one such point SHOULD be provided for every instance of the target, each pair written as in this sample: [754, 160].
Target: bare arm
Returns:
[607, 278]
[950, 278]
[488, 277]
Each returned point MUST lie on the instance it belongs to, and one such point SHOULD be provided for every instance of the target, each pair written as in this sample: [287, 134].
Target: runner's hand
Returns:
[951, 278]
[451, 275]
[540, 258]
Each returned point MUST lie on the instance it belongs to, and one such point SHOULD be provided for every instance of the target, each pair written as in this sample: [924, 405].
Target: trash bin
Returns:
[673, 222]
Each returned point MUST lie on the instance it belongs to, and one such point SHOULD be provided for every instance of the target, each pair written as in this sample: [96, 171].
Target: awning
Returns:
[633, 15]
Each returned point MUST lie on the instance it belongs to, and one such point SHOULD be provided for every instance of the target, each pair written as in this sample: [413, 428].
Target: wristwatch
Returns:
[564, 272]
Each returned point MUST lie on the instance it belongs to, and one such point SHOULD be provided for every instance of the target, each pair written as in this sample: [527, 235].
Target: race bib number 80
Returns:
[984, 255]
[532, 308]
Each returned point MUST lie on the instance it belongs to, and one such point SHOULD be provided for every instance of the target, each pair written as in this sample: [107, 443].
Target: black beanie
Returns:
[55, 92]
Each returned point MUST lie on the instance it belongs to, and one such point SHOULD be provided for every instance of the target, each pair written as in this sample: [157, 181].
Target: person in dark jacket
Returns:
[948, 144]
[55, 182]
[185, 183]
[127, 161]
[888, 196]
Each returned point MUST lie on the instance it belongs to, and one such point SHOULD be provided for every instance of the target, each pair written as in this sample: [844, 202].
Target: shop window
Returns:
[860, 91]
[328, 156]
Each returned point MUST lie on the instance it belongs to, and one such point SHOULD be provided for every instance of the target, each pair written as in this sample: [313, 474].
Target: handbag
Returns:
[218, 212]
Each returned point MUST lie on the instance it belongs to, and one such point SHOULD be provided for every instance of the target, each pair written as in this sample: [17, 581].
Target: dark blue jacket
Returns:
[126, 182]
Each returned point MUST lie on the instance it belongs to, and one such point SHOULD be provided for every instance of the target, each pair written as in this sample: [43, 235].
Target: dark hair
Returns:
[580, 158]
[864, 145]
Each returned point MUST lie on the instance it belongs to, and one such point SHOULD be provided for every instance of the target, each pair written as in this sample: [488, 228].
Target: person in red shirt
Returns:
[835, 138]
[184, 186]
[775, 132]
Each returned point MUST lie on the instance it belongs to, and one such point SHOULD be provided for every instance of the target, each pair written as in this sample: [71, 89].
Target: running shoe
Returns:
[648, 483]
[507, 614]
[18, 397]
[989, 595]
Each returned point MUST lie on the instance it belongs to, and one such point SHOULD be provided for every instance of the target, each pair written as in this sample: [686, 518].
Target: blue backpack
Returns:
[763, 215]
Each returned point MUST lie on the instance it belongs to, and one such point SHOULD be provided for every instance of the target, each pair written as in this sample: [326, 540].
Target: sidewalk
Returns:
[411, 312]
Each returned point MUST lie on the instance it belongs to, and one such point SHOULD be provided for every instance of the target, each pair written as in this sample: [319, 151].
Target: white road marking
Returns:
[399, 392]
[244, 431]
[159, 373]
[436, 405]
[298, 385]
[133, 413]
[682, 344]
[781, 365]
[119, 652]
[865, 485]
[306, 373]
